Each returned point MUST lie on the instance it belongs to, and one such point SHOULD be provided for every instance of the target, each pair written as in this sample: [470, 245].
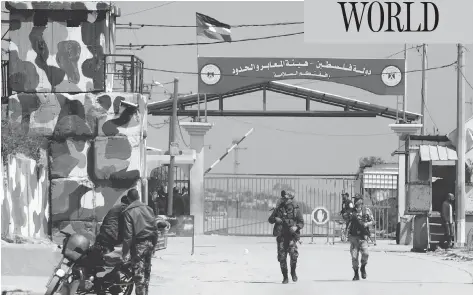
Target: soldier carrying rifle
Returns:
[359, 220]
[288, 221]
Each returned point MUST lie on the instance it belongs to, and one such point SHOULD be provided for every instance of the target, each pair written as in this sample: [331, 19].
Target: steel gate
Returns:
[241, 204]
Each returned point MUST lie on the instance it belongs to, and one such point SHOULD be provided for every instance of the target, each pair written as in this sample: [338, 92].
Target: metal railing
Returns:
[123, 73]
[241, 204]
[6, 90]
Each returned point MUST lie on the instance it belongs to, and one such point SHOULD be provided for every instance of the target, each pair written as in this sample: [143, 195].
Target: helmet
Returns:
[75, 246]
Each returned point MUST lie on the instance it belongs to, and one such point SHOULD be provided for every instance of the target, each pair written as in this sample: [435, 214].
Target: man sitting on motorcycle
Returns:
[110, 235]
[111, 230]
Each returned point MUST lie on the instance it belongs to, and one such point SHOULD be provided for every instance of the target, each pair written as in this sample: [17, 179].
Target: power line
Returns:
[233, 26]
[424, 104]
[341, 77]
[147, 9]
[182, 137]
[310, 133]
[161, 125]
[402, 51]
[211, 43]
[466, 80]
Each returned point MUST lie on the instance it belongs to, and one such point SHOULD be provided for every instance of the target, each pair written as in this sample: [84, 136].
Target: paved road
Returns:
[221, 265]
[218, 268]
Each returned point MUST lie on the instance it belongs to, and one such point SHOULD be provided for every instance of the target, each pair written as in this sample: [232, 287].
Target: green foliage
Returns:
[16, 141]
[369, 162]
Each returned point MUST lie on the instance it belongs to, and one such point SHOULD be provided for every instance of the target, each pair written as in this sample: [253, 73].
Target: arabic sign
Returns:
[219, 75]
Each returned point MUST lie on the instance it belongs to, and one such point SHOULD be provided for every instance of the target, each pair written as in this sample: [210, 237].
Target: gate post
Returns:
[197, 132]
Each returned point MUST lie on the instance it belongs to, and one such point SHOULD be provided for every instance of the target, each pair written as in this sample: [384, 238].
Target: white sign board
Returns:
[320, 216]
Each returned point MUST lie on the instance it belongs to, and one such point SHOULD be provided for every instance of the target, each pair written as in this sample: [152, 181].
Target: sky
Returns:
[284, 145]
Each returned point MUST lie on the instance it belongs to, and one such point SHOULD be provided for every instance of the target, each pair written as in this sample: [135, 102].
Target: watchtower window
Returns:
[40, 19]
[73, 22]
[76, 18]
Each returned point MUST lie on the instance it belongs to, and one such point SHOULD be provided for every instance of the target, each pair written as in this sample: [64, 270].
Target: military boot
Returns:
[293, 272]
[284, 273]
[357, 276]
[363, 271]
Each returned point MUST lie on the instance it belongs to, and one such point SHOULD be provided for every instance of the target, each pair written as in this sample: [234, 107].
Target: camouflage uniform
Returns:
[288, 221]
[141, 264]
[358, 239]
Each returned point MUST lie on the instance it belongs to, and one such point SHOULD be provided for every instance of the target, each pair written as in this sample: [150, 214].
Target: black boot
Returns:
[363, 271]
[293, 272]
[284, 273]
[357, 276]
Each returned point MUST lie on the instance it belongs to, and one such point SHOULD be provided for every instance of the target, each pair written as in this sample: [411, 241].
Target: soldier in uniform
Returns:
[288, 221]
[139, 240]
[359, 220]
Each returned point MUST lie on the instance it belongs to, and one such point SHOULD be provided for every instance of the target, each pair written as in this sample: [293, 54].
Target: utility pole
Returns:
[172, 138]
[461, 145]
[424, 98]
[404, 98]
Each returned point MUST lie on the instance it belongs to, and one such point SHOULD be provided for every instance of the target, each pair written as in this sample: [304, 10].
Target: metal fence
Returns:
[159, 177]
[241, 204]
[126, 72]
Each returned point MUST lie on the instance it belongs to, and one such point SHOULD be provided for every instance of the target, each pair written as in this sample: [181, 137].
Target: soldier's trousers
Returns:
[287, 245]
[141, 255]
[358, 245]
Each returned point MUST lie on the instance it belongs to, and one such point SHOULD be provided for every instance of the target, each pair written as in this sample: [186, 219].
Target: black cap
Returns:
[358, 197]
[124, 200]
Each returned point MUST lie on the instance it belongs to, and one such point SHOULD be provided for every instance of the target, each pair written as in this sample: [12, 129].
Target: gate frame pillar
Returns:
[403, 130]
[197, 131]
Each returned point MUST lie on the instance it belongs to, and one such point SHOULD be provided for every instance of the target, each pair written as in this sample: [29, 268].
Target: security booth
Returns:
[431, 175]
[157, 166]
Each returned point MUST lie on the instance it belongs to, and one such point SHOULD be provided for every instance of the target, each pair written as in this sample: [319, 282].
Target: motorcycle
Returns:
[86, 270]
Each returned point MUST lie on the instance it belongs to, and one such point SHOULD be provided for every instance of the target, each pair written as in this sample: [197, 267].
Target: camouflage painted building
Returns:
[63, 74]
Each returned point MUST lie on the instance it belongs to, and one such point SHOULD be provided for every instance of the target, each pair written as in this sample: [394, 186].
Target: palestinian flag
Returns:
[212, 28]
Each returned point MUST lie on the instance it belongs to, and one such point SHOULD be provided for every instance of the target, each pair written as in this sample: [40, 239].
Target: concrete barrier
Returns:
[29, 259]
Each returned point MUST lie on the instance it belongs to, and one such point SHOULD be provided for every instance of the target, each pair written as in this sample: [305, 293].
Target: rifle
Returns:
[354, 220]
[296, 235]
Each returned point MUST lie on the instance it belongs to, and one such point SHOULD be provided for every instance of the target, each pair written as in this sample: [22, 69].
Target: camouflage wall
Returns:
[60, 46]
[25, 199]
[96, 150]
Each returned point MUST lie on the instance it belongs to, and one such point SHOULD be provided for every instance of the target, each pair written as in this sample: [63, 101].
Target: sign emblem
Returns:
[391, 76]
[320, 216]
[210, 74]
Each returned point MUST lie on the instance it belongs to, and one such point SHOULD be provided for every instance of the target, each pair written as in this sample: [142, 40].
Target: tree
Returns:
[369, 162]
[278, 187]
[16, 141]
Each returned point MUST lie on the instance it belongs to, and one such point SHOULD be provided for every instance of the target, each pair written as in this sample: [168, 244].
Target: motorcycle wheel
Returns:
[53, 286]
[127, 278]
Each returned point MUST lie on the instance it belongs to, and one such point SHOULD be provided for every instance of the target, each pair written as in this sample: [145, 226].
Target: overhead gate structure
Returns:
[240, 204]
